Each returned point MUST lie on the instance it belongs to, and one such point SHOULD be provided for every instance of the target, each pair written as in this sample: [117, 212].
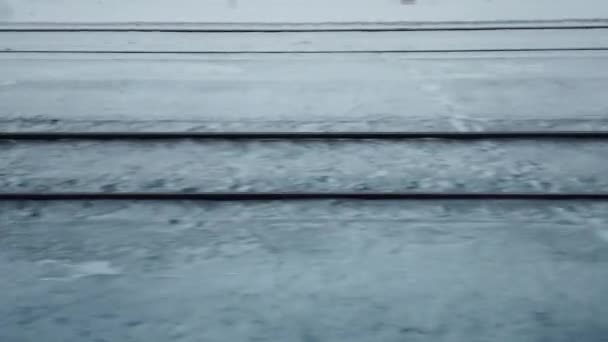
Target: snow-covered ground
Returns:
[304, 272]
[327, 91]
[297, 10]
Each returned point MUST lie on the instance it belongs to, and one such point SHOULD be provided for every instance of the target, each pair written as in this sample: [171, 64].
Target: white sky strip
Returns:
[292, 11]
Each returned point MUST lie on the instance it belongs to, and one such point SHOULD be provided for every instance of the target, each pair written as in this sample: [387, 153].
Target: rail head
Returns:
[488, 135]
[297, 196]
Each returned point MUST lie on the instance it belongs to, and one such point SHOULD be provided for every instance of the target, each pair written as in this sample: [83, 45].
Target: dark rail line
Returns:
[286, 196]
[283, 52]
[302, 30]
[352, 26]
[50, 136]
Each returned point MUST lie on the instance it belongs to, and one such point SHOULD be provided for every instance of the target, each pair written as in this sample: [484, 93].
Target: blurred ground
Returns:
[313, 271]
[309, 271]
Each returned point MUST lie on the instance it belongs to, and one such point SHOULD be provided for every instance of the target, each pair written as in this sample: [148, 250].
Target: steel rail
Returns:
[297, 196]
[489, 135]
[139, 28]
[352, 26]
[308, 52]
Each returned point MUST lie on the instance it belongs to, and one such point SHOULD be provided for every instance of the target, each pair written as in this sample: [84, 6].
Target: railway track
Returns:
[305, 182]
[299, 196]
[534, 135]
[300, 136]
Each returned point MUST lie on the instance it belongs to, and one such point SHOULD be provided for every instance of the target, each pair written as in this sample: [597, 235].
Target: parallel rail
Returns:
[286, 196]
[253, 27]
[297, 196]
[497, 135]
[301, 52]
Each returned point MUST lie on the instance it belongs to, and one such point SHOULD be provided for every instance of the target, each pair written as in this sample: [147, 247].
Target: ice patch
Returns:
[603, 234]
[58, 270]
[7, 83]
[94, 268]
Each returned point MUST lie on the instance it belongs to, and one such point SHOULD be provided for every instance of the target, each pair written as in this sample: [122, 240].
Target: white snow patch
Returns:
[7, 83]
[603, 234]
[94, 268]
[58, 270]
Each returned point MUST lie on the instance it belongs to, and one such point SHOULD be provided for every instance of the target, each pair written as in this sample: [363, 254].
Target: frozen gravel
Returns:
[189, 166]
